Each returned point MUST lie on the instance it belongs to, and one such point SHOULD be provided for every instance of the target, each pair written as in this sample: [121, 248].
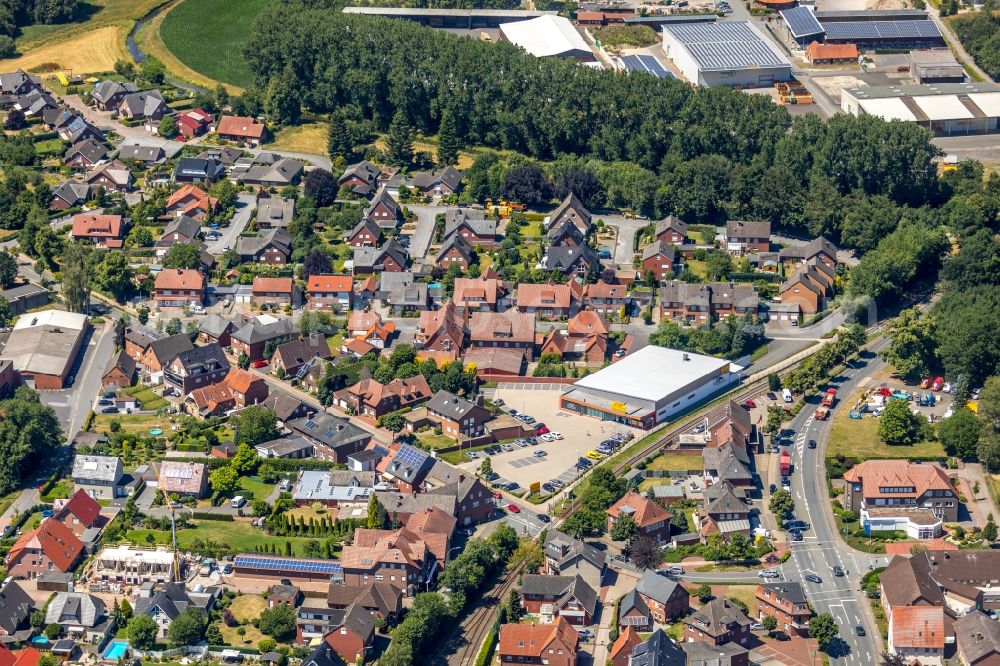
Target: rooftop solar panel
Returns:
[801, 22]
[881, 30]
[725, 46]
[287, 564]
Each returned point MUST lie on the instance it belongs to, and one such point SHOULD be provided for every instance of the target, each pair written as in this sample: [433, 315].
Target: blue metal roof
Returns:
[801, 22]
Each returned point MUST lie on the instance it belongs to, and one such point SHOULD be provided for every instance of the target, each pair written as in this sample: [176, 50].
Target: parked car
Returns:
[474, 455]
[499, 402]
[749, 404]
[109, 410]
[756, 626]
[105, 402]
[540, 454]
[771, 395]
[492, 476]
[548, 487]
[507, 447]
[594, 455]
[541, 428]
[675, 570]
[260, 364]
[513, 508]
[556, 434]
[780, 635]
[557, 483]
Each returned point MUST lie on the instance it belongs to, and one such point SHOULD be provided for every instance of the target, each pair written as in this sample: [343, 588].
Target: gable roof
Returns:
[564, 588]
[877, 474]
[330, 283]
[93, 151]
[279, 285]
[375, 594]
[240, 126]
[458, 243]
[671, 222]
[294, 353]
[474, 220]
[166, 349]
[180, 278]
[977, 635]
[548, 295]
[658, 248]
[531, 640]
[15, 606]
[249, 246]
[791, 591]
[100, 468]
[658, 650]
[449, 176]
[89, 225]
[717, 616]
[917, 627]
[562, 548]
[363, 170]
[121, 361]
[84, 507]
[509, 326]
[657, 587]
[183, 225]
[643, 510]
[55, 540]
[71, 192]
[571, 209]
[481, 289]
[562, 258]
[450, 405]
[261, 330]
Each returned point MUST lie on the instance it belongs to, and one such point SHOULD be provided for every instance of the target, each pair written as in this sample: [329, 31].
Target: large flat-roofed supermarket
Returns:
[649, 386]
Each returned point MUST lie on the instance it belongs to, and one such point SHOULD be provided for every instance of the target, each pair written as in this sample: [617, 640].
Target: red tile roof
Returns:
[180, 278]
[84, 507]
[87, 225]
[55, 540]
[337, 283]
[644, 511]
[817, 51]
[876, 474]
[240, 126]
[199, 199]
[543, 296]
[240, 380]
[532, 640]
[627, 640]
[277, 285]
[917, 627]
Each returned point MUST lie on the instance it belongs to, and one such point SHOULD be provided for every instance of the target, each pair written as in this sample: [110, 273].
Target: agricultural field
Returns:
[207, 37]
[89, 45]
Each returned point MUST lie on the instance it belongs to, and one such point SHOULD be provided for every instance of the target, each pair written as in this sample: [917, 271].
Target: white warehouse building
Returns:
[547, 36]
[944, 108]
[650, 386]
[731, 53]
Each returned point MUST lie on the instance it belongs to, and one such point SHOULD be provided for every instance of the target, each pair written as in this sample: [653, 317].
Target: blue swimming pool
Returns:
[40, 640]
[115, 650]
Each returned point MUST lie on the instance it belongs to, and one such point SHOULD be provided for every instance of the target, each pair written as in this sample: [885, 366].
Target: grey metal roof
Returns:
[801, 22]
[728, 45]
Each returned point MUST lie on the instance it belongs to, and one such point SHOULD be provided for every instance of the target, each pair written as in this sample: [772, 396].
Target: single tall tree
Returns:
[76, 277]
[448, 141]
[399, 140]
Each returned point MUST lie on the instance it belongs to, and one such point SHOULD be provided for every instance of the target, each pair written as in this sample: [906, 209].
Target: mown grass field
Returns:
[208, 35]
[241, 537]
[310, 138]
[858, 439]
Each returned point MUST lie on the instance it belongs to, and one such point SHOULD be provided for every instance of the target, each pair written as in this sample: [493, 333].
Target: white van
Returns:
[786, 395]
[237, 501]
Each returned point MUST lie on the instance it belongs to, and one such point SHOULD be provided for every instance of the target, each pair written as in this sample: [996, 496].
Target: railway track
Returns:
[474, 629]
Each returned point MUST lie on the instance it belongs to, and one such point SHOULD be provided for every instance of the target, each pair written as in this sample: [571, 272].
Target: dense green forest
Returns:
[979, 33]
[652, 145]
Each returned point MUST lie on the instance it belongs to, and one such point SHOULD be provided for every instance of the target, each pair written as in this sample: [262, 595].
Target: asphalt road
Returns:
[421, 239]
[246, 203]
[821, 548]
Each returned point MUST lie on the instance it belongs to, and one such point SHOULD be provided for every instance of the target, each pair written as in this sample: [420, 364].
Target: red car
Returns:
[749, 404]
[259, 364]
[541, 429]
[513, 508]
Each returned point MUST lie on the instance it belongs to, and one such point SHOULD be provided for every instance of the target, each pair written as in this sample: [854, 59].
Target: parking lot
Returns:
[580, 435]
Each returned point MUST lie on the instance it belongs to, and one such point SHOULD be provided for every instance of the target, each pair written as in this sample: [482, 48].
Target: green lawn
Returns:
[858, 439]
[259, 488]
[674, 463]
[532, 230]
[130, 422]
[146, 396]
[744, 593]
[208, 35]
[49, 147]
[238, 535]
[59, 491]
[699, 268]
[434, 441]
[702, 234]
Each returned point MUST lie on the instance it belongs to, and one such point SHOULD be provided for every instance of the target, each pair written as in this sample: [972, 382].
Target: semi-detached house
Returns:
[177, 287]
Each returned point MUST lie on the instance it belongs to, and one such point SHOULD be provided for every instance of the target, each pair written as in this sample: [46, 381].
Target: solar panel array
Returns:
[288, 564]
[725, 46]
[801, 22]
[855, 30]
[646, 63]
[410, 456]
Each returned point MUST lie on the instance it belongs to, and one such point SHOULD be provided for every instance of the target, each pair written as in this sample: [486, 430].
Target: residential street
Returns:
[245, 205]
[421, 239]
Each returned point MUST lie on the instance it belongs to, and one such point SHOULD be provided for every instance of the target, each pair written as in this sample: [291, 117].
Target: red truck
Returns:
[786, 463]
[830, 397]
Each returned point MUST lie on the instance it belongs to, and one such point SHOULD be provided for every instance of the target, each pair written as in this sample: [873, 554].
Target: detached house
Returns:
[482, 293]
[819, 249]
[177, 287]
[295, 355]
[455, 251]
[390, 258]
[113, 176]
[672, 231]
[101, 230]
[253, 336]
[443, 182]
[786, 602]
[197, 170]
[566, 234]
[748, 237]
[371, 398]
[659, 259]
[401, 558]
[168, 603]
[606, 299]
[275, 213]
[360, 178]
[472, 225]
[666, 599]
[196, 368]
[182, 229]
[457, 417]
[85, 154]
[900, 495]
[335, 439]
[274, 292]
[100, 477]
[145, 105]
[383, 210]
[723, 512]
[365, 234]
[241, 130]
[651, 518]
[107, 95]
[194, 123]
[551, 644]
[270, 247]
[191, 201]
[585, 338]
[572, 210]
[566, 556]
[80, 513]
[69, 194]
[330, 292]
[718, 622]
[247, 389]
[49, 547]
[574, 262]
[568, 597]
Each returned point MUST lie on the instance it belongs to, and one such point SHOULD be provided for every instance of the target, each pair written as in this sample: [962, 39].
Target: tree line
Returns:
[634, 141]
[979, 33]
